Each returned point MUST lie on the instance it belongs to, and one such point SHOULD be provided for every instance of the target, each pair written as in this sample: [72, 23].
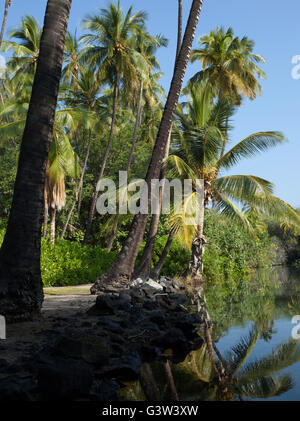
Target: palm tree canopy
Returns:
[109, 45]
[197, 152]
[26, 48]
[229, 64]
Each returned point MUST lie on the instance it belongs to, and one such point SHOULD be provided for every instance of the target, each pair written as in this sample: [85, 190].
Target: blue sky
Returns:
[273, 25]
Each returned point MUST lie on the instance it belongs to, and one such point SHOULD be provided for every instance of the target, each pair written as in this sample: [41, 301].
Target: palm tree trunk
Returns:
[79, 191]
[83, 172]
[155, 272]
[179, 32]
[52, 225]
[144, 267]
[198, 247]
[129, 162]
[121, 270]
[136, 127]
[7, 4]
[21, 288]
[46, 214]
[103, 165]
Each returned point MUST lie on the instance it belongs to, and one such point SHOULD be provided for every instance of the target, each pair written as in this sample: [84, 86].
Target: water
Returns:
[286, 302]
[264, 307]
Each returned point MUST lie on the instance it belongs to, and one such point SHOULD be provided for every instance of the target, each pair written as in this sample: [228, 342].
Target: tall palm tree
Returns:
[8, 3]
[144, 266]
[198, 154]
[86, 95]
[21, 293]
[229, 64]
[26, 48]
[109, 48]
[148, 89]
[72, 57]
[121, 270]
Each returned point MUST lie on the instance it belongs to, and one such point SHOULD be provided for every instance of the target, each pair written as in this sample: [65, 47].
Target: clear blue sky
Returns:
[273, 25]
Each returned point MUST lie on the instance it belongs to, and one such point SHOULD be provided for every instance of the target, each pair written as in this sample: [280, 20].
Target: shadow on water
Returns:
[257, 357]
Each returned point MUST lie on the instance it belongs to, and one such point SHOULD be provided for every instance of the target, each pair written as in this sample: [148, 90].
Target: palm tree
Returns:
[8, 3]
[21, 293]
[62, 162]
[72, 57]
[198, 154]
[26, 49]
[121, 270]
[149, 89]
[86, 95]
[109, 48]
[229, 65]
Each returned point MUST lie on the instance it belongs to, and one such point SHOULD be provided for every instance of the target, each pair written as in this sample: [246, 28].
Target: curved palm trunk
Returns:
[120, 271]
[198, 247]
[79, 191]
[144, 267]
[52, 225]
[21, 288]
[7, 5]
[155, 272]
[113, 234]
[106, 154]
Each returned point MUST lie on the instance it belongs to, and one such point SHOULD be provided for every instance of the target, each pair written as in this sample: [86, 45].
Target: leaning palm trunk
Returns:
[21, 288]
[143, 269]
[121, 270]
[79, 190]
[113, 233]
[7, 4]
[103, 165]
[155, 272]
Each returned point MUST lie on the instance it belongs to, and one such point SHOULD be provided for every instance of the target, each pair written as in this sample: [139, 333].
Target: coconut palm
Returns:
[229, 65]
[149, 90]
[121, 270]
[8, 3]
[21, 293]
[86, 95]
[26, 48]
[198, 154]
[109, 48]
[72, 57]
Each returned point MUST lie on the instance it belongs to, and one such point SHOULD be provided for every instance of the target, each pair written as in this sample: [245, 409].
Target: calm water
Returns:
[266, 308]
[278, 318]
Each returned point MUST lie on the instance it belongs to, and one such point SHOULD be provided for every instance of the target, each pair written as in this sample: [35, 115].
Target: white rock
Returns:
[154, 284]
[136, 282]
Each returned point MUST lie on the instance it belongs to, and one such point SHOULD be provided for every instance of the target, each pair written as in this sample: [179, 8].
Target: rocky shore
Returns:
[86, 353]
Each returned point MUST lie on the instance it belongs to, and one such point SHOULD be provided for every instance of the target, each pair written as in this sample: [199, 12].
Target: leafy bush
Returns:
[68, 263]
[177, 260]
[232, 253]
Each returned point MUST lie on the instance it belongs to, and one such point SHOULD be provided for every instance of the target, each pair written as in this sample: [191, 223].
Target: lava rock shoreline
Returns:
[88, 356]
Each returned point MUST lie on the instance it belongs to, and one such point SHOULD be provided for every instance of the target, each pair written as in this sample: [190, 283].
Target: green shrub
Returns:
[68, 263]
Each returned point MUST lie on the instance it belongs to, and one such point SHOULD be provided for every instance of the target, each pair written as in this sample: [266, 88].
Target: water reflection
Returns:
[256, 358]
